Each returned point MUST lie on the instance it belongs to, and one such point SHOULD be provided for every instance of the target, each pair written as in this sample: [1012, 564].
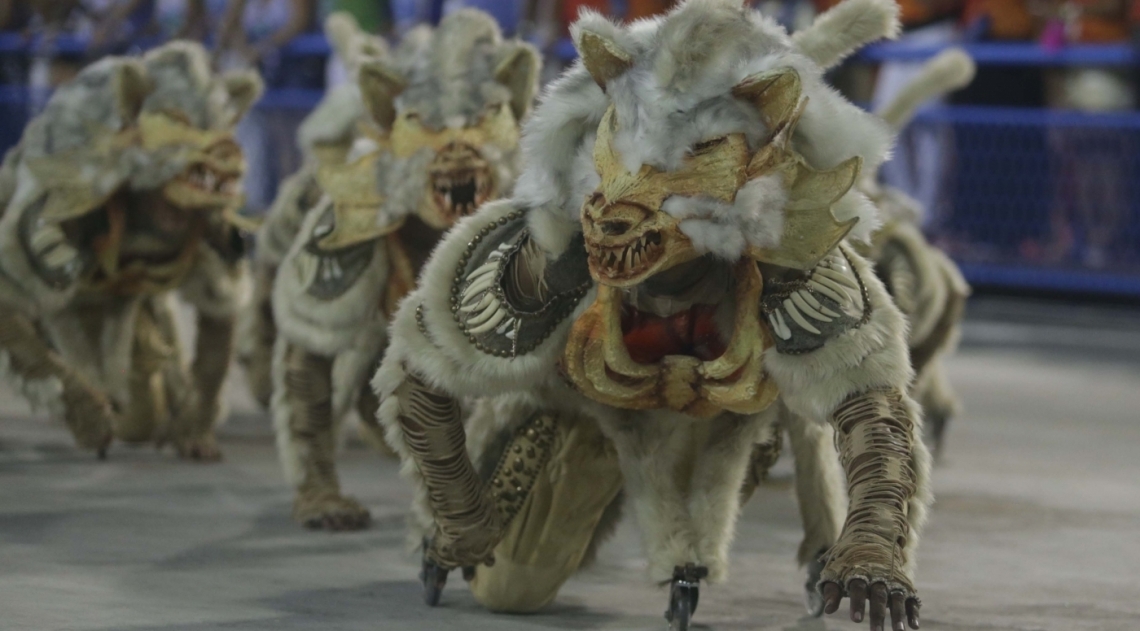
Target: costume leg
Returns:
[819, 484]
[42, 375]
[148, 409]
[257, 356]
[820, 494]
[714, 495]
[306, 440]
[367, 404]
[932, 391]
[573, 478]
[650, 453]
[193, 429]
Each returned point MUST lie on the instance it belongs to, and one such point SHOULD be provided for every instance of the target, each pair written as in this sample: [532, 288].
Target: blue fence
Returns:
[1026, 198]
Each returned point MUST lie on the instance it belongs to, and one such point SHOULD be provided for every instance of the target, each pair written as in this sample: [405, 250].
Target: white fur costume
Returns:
[88, 329]
[471, 331]
[447, 103]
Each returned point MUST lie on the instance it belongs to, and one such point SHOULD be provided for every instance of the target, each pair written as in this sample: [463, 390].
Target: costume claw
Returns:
[433, 577]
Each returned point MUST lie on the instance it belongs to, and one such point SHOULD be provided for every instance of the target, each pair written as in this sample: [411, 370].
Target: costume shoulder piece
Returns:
[327, 273]
[506, 295]
[805, 309]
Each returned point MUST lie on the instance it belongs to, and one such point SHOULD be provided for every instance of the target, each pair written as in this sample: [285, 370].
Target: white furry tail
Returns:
[847, 27]
[950, 70]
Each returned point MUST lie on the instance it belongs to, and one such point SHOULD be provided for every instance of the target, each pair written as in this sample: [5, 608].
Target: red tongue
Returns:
[649, 338]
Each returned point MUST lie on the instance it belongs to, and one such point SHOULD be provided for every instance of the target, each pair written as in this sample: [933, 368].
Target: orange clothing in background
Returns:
[647, 8]
[1009, 19]
[912, 13]
[1101, 22]
[570, 10]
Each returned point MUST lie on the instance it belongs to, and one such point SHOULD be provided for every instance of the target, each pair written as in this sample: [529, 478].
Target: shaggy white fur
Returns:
[754, 219]
[682, 476]
[847, 27]
[820, 484]
[334, 119]
[44, 395]
[874, 355]
[672, 99]
[326, 327]
[950, 70]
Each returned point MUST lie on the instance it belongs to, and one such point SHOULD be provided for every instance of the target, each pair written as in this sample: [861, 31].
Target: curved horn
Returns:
[776, 93]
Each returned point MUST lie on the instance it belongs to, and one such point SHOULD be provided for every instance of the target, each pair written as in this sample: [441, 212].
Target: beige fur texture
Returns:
[96, 332]
[682, 475]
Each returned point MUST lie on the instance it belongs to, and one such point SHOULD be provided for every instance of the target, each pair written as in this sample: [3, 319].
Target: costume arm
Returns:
[490, 316]
[216, 288]
[49, 382]
[841, 354]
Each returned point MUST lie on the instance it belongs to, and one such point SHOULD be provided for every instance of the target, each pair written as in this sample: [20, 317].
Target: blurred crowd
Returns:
[1091, 195]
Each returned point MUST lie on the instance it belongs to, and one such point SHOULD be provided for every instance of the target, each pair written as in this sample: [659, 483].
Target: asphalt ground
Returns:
[1034, 527]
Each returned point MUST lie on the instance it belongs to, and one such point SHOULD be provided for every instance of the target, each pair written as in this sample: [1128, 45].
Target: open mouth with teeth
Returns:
[639, 351]
[631, 260]
[207, 179]
[457, 193]
[627, 243]
[459, 181]
[204, 186]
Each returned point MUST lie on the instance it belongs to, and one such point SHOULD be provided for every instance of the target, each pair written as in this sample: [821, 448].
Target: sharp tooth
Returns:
[335, 268]
[628, 258]
[794, 313]
[60, 255]
[447, 199]
[481, 284]
[780, 332]
[487, 321]
[637, 258]
[809, 310]
[837, 277]
[838, 293]
[476, 306]
[505, 326]
[817, 286]
[46, 236]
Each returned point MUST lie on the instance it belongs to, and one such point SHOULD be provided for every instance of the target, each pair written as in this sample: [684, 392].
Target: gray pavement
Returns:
[1035, 526]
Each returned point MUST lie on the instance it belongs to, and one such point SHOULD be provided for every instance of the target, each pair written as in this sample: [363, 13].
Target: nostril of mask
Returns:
[615, 228]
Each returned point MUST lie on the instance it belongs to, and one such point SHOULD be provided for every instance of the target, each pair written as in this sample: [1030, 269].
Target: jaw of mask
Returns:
[462, 173]
[213, 162]
[653, 339]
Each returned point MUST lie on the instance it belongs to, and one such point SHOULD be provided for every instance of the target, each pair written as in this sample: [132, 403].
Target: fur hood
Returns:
[675, 92]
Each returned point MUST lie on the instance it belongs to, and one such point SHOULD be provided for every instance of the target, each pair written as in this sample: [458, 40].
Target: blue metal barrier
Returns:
[1032, 198]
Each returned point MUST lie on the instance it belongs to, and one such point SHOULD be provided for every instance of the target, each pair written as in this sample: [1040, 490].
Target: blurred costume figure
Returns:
[448, 104]
[925, 284]
[325, 138]
[672, 269]
[253, 34]
[124, 191]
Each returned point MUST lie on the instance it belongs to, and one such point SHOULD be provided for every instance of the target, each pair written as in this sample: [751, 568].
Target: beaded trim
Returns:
[507, 339]
[520, 465]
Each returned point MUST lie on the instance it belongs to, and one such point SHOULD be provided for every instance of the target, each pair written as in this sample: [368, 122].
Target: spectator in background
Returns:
[1091, 163]
[923, 153]
[181, 19]
[1009, 86]
[253, 32]
[252, 35]
[118, 25]
[373, 16]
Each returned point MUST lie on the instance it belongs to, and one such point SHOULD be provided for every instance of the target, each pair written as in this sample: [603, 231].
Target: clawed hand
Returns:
[903, 610]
